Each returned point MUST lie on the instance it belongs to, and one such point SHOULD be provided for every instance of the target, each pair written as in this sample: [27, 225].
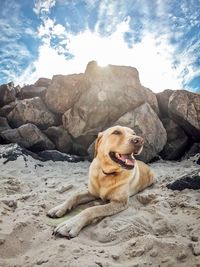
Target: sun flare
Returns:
[102, 63]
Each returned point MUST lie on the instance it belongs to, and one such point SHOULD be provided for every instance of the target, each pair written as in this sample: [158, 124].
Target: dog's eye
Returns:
[116, 132]
[133, 133]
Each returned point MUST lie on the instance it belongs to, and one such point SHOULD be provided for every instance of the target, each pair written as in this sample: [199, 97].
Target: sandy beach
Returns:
[161, 227]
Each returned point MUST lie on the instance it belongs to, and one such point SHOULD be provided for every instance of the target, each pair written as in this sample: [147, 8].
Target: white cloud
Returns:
[43, 6]
[49, 27]
[48, 64]
[153, 56]
[152, 59]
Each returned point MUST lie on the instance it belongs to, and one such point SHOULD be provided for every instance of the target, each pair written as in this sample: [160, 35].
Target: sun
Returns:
[102, 62]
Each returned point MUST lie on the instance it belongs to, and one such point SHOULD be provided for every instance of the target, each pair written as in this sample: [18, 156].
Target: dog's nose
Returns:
[137, 140]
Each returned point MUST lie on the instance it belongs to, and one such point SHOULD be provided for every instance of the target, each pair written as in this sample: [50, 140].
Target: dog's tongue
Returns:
[128, 159]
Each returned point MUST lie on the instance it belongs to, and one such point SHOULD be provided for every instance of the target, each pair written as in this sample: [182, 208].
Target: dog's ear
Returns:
[97, 143]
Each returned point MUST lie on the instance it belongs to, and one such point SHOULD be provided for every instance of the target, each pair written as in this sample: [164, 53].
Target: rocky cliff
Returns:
[67, 112]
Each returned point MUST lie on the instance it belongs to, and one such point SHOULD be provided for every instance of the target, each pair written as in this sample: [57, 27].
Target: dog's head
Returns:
[118, 145]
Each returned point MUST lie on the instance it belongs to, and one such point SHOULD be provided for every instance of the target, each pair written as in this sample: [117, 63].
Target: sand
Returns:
[160, 228]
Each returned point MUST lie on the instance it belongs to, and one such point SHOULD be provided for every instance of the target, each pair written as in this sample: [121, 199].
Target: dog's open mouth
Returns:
[127, 161]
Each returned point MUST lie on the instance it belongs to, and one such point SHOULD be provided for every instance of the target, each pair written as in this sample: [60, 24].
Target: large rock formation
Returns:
[42, 82]
[151, 98]
[5, 110]
[7, 93]
[30, 91]
[163, 101]
[60, 137]
[177, 141]
[3, 124]
[63, 91]
[33, 111]
[28, 136]
[111, 92]
[85, 104]
[194, 150]
[145, 122]
[184, 108]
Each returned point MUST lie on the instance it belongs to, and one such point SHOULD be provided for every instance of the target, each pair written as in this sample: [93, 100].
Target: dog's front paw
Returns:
[69, 228]
[57, 211]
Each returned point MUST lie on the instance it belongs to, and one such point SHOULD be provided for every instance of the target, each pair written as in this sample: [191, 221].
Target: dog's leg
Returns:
[72, 227]
[71, 202]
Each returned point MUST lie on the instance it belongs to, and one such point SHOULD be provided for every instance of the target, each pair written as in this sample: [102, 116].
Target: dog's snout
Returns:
[137, 140]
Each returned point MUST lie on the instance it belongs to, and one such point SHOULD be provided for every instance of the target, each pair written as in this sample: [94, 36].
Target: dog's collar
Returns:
[108, 173]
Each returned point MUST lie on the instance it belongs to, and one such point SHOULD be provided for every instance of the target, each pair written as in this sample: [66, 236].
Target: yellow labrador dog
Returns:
[114, 176]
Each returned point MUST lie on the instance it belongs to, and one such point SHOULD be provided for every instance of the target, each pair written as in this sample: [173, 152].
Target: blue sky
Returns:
[161, 38]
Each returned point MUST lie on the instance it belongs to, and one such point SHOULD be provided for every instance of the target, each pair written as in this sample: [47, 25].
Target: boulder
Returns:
[3, 124]
[10, 152]
[111, 92]
[63, 92]
[33, 111]
[163, 101]
[17, 90]
[91, 151]
[78, 149]
[5, 110]
[55, 155]
[28, 136]
[151, 98]
[145, 122]
[194, 150]
[60, 137]
[30, 91]
[7, 94]
[190, 180]
[177, 141]
[42, 82]
[184, 109]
